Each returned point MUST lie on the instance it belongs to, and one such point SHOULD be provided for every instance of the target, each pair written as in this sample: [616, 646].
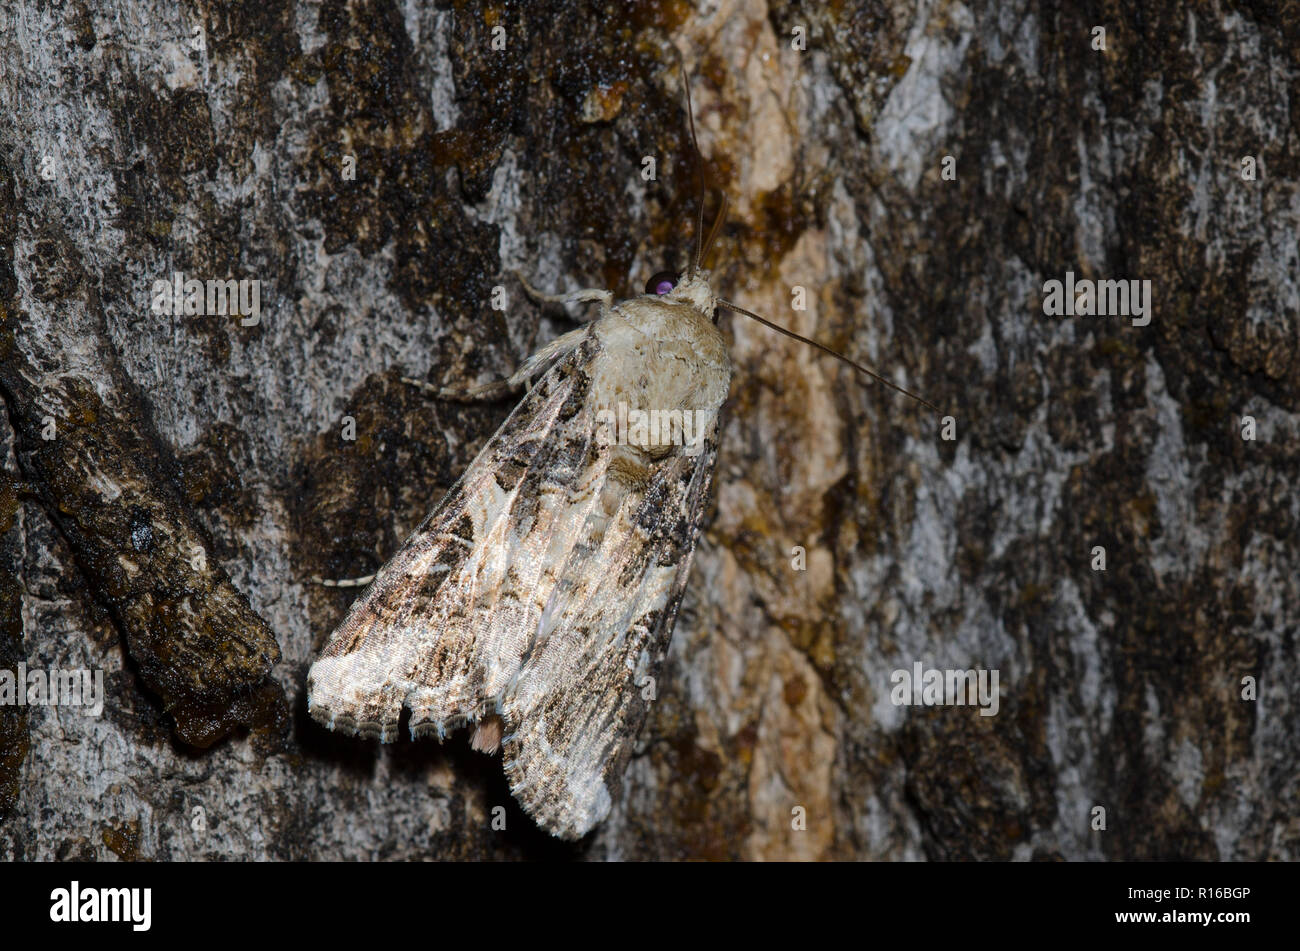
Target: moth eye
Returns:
[661, 283]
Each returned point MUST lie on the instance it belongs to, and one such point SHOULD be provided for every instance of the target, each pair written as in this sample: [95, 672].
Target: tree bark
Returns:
[175, 480]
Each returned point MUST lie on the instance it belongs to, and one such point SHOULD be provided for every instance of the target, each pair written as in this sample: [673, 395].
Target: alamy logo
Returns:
[214, 298]
[102, 904]
[53, 688]
[953, 688]
[1098, 299]
[655, 427]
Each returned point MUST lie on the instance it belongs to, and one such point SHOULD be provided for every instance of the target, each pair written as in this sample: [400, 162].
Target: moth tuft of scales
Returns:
[536, 598]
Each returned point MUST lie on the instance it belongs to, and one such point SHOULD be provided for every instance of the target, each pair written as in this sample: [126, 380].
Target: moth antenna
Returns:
[699, 167]
[718, 222]
[825, 349]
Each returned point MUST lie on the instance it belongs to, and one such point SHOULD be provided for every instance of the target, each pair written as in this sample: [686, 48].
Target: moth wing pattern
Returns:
[445, 624]
[544, 587]
[606, 628]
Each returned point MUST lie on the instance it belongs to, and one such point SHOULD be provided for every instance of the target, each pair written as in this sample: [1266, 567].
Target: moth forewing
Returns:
[543, 589]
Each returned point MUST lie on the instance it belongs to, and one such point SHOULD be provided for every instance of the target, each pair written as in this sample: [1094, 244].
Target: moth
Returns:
[537, 599]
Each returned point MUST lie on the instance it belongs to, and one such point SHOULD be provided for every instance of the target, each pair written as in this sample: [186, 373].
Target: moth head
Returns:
[691, 287]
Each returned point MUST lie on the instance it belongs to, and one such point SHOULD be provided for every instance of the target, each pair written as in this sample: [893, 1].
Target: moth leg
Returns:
[522, 377]
[487, 393]
[587, 295]
[342, 582]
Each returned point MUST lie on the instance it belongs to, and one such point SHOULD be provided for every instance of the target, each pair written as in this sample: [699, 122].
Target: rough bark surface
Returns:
[134, 148]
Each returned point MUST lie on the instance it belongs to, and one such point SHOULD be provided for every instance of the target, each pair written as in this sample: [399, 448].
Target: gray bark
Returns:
[128, 155]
